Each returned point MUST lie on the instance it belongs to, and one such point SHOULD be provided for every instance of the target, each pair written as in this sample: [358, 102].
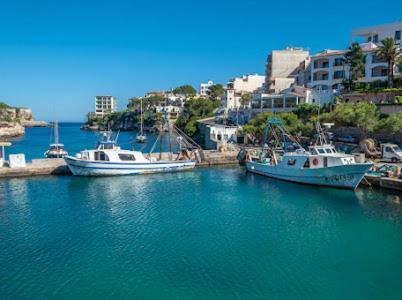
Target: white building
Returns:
[376, 34]
[171, 111]
[328, 69]
[215, 135]
[282, 67]
[105, 105]
[247, 83]
[204, 88]
[238, 86]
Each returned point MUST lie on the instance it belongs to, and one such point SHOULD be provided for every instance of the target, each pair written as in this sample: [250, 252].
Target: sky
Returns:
[55, 56]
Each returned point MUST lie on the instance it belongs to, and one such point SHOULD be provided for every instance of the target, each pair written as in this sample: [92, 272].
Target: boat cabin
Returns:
[322, 150]
[56, 147]
[111, 155]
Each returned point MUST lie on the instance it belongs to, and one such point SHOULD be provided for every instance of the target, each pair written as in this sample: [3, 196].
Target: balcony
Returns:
[321, 63]
[379, 71]
[339, 62]
[320, 75]
[377, 60]
[339, 74]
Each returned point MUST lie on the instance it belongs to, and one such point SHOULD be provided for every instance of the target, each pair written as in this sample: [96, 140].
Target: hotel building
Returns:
[105, 105]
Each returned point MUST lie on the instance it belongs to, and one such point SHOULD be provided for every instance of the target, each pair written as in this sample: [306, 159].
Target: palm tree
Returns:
[354, 58]
[391, 53]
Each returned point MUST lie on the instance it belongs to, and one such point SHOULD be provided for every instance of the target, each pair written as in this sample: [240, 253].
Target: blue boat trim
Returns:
[73, 159]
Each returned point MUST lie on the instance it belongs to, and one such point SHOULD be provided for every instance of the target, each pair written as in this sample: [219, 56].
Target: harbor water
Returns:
[207, 233]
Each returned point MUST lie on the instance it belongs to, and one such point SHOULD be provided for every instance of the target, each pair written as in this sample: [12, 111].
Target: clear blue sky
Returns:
[55, 56]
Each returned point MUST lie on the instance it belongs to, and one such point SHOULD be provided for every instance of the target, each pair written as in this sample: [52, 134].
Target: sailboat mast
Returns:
[56, 132]
[141, 120]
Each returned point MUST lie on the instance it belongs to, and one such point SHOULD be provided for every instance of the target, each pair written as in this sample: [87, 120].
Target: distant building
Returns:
[282, 68]
[238, 86]
[246, 83]
[204, 88]
[105, 105]
[376, 34]
[215, 135]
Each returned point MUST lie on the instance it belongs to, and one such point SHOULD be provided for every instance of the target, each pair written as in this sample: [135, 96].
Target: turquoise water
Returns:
[207, 233]
[36, 141]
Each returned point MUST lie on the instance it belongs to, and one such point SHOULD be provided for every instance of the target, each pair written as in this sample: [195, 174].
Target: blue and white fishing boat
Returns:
[109, 159]
[321, 165]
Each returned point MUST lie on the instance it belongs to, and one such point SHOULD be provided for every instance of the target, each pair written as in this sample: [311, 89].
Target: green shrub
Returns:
[391, 124]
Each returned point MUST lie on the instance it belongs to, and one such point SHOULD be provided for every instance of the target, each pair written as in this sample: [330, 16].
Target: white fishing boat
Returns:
[56, 150]
[321, 165]
[141, 137]
[109, 159]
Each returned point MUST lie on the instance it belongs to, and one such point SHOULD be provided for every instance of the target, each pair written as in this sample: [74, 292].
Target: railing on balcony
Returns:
[321, 64]
[375, 60]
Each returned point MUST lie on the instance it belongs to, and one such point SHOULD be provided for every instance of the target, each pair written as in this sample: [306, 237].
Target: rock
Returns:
[34, 123]
[11, 129]
[24, 114]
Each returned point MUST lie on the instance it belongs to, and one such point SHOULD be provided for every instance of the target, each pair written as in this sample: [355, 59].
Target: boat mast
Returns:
[141, 131]
[56, 134]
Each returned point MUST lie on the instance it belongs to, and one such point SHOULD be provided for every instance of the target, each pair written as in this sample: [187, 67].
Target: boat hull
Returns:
[344, 176]
[94, 168]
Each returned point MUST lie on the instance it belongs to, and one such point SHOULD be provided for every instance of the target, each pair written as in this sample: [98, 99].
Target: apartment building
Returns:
[105, 105]
[376, 34]
[328, 69]
[282, 68]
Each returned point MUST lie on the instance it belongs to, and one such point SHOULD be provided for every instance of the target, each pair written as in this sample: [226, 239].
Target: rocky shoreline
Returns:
[13, 121]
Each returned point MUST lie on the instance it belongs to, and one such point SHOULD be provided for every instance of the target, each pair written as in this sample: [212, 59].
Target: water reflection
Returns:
[381, 203]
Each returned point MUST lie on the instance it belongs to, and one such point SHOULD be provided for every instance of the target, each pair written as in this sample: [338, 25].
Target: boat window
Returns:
[388, 149]
[306, 163]
[291, 162]
[100, 155]
[321, 151]
[108, 146]
[127, 157]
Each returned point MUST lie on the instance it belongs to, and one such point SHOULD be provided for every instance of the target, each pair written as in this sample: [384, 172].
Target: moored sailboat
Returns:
[56, 150]
[141, 137]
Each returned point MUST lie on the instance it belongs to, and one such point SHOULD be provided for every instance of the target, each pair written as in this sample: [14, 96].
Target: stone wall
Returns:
[376, 98]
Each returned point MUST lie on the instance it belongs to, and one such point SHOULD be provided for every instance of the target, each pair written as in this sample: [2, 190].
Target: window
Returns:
[102, 156]
[291, 162]
[338, 62]
[388, 149]
[321, 151]
[397, 35]
[375, 38]
[339, 74]
[126, 157]
[369, 39]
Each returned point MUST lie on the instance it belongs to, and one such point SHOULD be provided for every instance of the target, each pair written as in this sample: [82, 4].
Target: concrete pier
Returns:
[383, 182]
[54, 166]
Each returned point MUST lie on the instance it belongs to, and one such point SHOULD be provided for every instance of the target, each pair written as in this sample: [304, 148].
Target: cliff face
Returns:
[14, 119]
[11, 129]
